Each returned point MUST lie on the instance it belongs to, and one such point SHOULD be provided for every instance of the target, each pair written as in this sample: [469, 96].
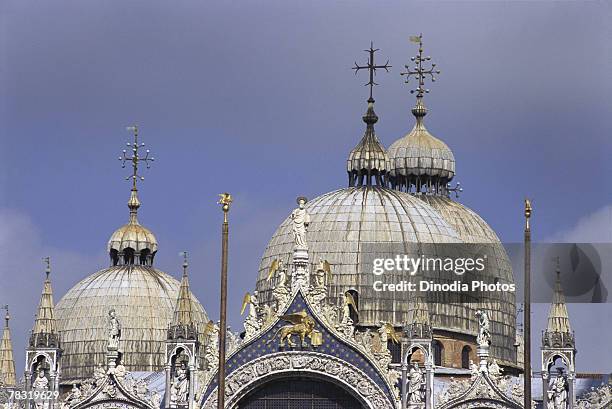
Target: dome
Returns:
[368, 160]
[419, 160]
[132, 243]
[343, 224]
[133, 236]
[143, 298]
[502, 307]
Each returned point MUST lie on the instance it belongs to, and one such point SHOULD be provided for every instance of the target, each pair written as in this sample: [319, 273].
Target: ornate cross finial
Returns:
[47, 261]
[135, 158]
[419, 71]
[371, 67]
[7, 316]
[185, 263]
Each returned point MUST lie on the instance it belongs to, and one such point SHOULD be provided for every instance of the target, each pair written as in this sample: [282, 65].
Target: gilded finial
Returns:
[371, 67]
[421, 73]
[47, 261]
[225, 199]
[528, 211]
[135, 159]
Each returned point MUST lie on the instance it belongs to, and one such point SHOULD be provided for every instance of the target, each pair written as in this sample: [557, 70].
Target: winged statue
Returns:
[301, 325]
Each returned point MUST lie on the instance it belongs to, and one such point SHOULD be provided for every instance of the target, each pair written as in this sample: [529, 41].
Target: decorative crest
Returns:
[371, 67]
[135, 157]
[420, 72]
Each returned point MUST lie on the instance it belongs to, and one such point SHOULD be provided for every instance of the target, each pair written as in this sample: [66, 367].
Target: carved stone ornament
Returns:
[111, 392]
[254, 373]
[478, 392]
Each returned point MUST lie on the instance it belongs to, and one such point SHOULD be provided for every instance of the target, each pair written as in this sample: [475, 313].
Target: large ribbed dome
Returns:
[501, 307]
[343, 224]
[144, 300]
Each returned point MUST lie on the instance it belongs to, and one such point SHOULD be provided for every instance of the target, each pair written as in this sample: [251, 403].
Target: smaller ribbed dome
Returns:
[419, 160]
[132, 243]
[368, 159]
[132, 236]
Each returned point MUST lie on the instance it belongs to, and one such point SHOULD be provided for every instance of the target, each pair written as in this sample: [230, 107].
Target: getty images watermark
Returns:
[424, 265]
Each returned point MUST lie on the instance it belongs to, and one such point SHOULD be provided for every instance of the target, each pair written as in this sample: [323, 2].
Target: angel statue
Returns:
[484, 331]
[415, 384]
[252, 324]
[301, 325]
[387, 331]
[349, 302]
[114, 330]
[301, 220]
[322, 274]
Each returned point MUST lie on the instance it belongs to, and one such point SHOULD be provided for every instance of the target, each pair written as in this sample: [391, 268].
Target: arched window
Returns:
[128, 256]
[145, 255]
[465, 356]
[438, 353]
[114, 256]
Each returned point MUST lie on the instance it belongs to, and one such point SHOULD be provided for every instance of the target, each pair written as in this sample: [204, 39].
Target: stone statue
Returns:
[558, 391]
[99, 374]
[114, 330]
[252, 324]
[179, 388]
[484, 331]
[75, 393]
[494, 369]
[301, 220]
[41, 382]
[474, 371]
[415, 384]
[156, 399]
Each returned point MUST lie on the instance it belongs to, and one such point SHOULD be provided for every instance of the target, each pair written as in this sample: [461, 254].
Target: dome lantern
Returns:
[133, 243]
[368, 160]
[420, 162]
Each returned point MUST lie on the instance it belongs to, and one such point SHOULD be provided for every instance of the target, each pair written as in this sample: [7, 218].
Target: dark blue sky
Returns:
[257, 98]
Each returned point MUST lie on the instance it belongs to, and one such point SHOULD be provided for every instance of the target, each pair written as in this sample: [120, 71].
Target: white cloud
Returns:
[593, 228]
[22, 272]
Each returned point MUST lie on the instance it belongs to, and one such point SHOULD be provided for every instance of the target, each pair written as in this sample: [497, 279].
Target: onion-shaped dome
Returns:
[368, 159]
[501, 307]
[348, 225]
[132, 243]
[420, 162]
[144, 301]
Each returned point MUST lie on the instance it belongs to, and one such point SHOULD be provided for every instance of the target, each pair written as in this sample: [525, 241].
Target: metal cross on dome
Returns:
[135, 158]
[371, 67]
[419, 71]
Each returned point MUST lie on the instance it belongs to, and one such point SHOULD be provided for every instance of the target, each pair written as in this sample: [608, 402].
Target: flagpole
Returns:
[225, 201]
[527, 310]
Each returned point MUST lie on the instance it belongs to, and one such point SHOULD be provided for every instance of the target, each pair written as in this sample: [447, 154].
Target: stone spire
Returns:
[558, 318]
[184, 312]
[368, 160]
[44, 332]
[7, 363]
